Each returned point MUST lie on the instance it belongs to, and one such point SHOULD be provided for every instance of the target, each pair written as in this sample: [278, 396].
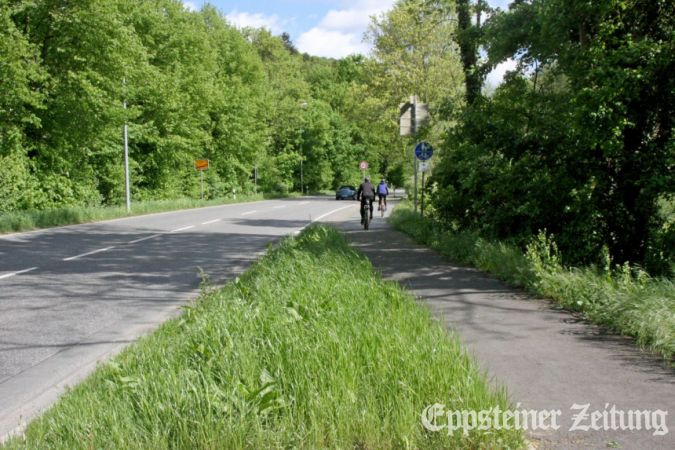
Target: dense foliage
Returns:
[195, 86]
[579, 140]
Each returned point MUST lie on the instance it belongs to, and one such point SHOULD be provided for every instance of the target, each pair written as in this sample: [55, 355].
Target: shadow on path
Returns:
[546, 357]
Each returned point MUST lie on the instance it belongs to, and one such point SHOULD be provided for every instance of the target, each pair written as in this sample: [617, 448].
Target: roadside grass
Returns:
[624, 300]
[308, 349]
[34, 219]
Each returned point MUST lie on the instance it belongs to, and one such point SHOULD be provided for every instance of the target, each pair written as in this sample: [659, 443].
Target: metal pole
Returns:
[201, 183]
[255, 179]
[422, 206]
[126, 157]
[415, 188]
[414, 133]
[126, 166]
[303, 105]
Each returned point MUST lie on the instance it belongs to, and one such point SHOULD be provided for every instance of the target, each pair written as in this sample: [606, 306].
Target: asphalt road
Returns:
[75, 295]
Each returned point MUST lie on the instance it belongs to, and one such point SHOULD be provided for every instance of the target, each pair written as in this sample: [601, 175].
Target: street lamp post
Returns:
[303, 105]
[126, 155]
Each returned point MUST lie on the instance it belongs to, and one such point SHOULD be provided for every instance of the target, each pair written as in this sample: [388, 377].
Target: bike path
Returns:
[547, 358]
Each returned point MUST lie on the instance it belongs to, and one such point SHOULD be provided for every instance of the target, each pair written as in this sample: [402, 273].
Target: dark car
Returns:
[345, 192]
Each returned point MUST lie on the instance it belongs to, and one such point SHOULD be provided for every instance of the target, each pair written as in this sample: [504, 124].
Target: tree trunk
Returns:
[467, 48]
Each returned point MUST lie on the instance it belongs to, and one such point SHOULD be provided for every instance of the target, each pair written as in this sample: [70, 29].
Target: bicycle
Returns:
[365, 215]
[382, 207]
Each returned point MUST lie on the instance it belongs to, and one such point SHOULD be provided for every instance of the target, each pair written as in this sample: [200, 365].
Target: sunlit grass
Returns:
[625, 300]
[308, 349]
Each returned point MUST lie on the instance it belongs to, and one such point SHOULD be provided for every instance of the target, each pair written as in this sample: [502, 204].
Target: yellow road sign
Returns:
[201, 164]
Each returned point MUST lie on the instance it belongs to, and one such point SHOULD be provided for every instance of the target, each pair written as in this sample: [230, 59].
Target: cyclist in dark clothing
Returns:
[366, 193]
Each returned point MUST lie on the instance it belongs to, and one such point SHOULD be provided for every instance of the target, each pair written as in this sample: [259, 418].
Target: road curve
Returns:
[73, 296]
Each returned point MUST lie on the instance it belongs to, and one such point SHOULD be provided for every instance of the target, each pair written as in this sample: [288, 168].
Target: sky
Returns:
[330, 28]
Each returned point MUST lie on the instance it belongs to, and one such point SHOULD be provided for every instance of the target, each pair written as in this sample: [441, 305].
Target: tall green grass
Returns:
[34, 219]
[623, 299]
[308, 349]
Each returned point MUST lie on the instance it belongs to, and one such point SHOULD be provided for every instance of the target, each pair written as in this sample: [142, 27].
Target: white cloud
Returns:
[255, 20]
[190, 6]
[496, 76]
[340, 32]
[331, 43]
[346, 19]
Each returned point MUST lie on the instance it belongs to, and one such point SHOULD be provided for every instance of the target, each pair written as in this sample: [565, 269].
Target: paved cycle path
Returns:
[547, 358]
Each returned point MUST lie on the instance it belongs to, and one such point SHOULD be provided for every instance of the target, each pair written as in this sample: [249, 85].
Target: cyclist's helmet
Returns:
[366, 179]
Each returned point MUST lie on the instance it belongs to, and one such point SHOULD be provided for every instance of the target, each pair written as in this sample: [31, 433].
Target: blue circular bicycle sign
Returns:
[424, 151]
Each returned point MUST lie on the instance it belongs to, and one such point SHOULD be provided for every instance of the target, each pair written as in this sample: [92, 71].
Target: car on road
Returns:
[345, 192]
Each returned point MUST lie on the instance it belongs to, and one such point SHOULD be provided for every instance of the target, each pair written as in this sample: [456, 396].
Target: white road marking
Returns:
[332, 212]
[210, 222]
[72, 258]
[145, 238]
[7, 275]
[279, 207]
[303, 203]
[323, 216]
[181, 229]
[249, 213]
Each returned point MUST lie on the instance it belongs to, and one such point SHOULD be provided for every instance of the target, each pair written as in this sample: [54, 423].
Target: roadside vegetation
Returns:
[621, 298]
[189, 85]
[308, 349]
[34, 219]
[577, 140]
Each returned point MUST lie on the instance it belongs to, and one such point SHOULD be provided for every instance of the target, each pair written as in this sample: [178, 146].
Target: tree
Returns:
[82, 112]
[19, 105]
[415, 52]
[582, 147]
[469, 38]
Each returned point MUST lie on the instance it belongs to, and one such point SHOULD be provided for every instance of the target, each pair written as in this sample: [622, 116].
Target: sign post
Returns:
[412, 116]
[201, 165]
[363, 165]
[423, 153]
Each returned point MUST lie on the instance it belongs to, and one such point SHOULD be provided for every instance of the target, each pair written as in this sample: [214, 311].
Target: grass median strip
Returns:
[625, 300]
[308, 349]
